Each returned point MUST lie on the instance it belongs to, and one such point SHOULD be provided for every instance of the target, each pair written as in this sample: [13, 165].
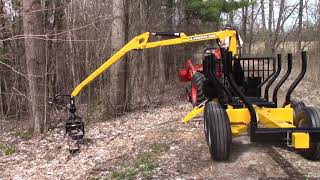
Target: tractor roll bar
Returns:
[228, 71]
[274, 77]
[299, 78]
[284, 78]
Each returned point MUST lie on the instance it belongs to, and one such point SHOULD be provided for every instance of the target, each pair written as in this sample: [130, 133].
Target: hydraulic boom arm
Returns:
[74, 126]
[141, 42]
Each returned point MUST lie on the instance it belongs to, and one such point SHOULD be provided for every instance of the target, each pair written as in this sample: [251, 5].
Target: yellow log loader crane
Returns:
[233, 104]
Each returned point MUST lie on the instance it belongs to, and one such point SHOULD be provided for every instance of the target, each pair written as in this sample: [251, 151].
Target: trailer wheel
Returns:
[309, 117]
[218, 130]
[214, 104]
[297, 106]
[197, 95]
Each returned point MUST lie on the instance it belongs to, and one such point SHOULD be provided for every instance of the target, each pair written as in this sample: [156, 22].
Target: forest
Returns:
[48, 47]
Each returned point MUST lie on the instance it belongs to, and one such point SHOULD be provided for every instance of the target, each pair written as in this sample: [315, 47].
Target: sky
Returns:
[308, 13]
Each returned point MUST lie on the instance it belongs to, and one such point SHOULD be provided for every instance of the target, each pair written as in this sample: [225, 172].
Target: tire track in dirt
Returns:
[285, 165]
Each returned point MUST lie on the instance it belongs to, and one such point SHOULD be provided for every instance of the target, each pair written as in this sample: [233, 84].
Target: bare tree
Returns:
[35, 53]
[300, 25]
[117, 72]
[244, 26]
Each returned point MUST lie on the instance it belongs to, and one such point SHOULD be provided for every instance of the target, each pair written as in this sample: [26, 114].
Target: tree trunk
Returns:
[278, 27]
[231, 18]
[161, 56]
[270, 20]
[263, 16]
[300, 26]
[1, 101]
[60, 82]
[117, 72]
[35, 60]
[244, 27]
[3, 49]
[251, 29]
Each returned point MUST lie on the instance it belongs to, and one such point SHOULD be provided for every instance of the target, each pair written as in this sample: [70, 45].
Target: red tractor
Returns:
[194, 74]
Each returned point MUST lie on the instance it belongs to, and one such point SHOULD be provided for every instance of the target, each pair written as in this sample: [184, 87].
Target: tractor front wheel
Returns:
[217, 131]
[309, 117]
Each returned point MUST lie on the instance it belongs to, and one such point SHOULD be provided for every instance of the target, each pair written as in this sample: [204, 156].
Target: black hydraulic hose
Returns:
[299, 78]
[169, 34]
[284, 78]
[243, 98]
[213, 75]
[209, 69]
[274, 77]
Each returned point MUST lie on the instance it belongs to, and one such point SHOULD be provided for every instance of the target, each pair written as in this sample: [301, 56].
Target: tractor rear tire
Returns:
[297, 106]
[218, 130]
[197, 94]
[309, 117]
[188, 92]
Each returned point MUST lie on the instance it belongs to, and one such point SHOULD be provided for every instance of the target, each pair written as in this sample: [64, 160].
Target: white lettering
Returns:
[209, 36]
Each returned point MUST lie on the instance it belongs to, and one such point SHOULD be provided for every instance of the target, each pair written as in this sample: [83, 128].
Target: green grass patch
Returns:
[143, 164]
[7, 150]
[24, 134]
[159, 147]
[94, 178]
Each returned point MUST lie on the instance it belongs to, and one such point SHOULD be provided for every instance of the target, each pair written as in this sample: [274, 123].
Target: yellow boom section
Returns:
[141, 42]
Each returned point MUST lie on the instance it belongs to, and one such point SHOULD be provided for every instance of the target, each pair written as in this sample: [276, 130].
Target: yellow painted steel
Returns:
[239, 116]
[141, 42]
[300, 140]
[268, 117]
[276, 117]
[192, 114]
[238, 129]
[239, 120]
[287, 106]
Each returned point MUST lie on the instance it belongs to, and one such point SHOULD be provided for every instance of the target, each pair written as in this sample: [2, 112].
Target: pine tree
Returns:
[210, 10]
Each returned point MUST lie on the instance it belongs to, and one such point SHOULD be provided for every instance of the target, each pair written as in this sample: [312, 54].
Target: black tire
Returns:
[214, 104]
[218, 131]
[197, 81]
[309, 117]
[188, 92]
[297, 106]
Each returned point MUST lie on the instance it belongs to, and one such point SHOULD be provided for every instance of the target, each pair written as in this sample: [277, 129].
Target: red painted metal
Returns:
[194, 97]
[185, 75]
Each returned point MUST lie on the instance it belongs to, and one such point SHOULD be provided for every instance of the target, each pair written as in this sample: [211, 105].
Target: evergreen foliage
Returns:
[210, 10]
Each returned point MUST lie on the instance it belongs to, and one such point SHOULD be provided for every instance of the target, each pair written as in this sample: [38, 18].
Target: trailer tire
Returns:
[218, 131]
[297, 106]
[214, 104]
[309, 117]
[197, 95]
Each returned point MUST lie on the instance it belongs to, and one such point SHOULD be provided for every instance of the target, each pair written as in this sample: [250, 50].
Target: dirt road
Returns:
[148, 144]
